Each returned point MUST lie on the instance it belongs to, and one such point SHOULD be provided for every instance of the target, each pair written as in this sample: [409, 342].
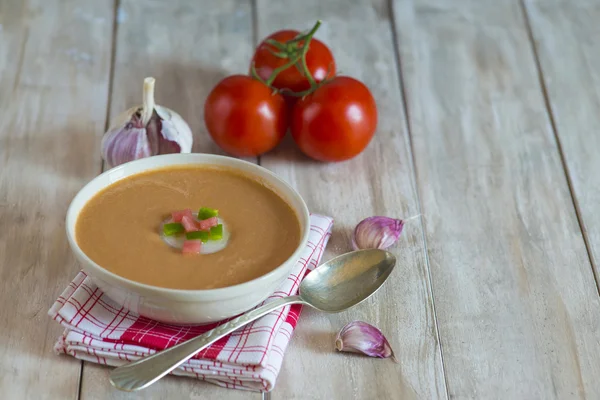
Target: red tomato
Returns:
[319, 61]
[336, 122]
[244, 117]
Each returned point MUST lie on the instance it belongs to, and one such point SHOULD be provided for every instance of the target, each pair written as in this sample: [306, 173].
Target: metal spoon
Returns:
[335, 286]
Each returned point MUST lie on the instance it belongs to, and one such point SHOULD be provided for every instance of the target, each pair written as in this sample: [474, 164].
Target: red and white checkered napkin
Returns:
[100, 331]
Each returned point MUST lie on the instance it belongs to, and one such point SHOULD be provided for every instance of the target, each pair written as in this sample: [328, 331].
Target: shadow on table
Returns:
[287, 151]
[320, 341]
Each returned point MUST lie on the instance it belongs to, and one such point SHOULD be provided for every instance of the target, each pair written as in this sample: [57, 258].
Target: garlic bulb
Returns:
[144, 131]
[376, 233]
[361, 337]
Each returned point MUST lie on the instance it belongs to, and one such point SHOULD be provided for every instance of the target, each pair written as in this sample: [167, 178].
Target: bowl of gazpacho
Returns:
[187, 238]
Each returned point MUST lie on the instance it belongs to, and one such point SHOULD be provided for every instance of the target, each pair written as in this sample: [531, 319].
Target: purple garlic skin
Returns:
[145, 131]
[132, 141]
[361, 337]
[376, 232]
[126, 143]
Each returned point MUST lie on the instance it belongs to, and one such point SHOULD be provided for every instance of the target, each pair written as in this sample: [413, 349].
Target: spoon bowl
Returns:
[344, 282]
[335, 286]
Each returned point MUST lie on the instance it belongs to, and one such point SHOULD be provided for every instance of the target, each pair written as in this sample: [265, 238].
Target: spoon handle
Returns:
[142, 373]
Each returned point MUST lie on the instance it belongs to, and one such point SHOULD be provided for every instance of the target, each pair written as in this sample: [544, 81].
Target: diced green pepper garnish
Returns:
[206, 213]
[173, 229]
[202, 235]
[216, 232]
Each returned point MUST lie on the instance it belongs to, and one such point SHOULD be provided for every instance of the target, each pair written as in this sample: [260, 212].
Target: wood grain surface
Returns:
[378, 182]
[212, 40]
[571, 74]
[488, 127]
[54, 67]
[516, 302]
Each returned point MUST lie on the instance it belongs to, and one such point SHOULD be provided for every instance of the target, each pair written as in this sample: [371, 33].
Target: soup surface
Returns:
[119, 228]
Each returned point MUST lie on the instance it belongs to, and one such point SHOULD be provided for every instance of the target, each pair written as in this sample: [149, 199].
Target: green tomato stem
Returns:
[276, 44]
[278, 70]
[255, 75]
[279, 54]
[296, 56]
[308, 38]
[304, 92]
[299, 37]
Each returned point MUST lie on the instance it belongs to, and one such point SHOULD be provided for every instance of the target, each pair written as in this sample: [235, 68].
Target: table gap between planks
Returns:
[495, 276]
[516, 301]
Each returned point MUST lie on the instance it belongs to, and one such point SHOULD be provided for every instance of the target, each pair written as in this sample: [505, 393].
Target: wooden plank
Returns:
[517, 307]
[567, 31]
[378, 182]
[54, 65]
[188, 46]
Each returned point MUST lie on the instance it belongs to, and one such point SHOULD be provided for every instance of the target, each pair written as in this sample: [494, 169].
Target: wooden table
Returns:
[489, 130]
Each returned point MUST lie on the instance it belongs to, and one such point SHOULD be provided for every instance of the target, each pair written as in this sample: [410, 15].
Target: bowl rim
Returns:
[204, 159]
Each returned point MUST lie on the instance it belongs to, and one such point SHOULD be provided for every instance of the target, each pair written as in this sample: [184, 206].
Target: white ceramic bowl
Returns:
[185, 306]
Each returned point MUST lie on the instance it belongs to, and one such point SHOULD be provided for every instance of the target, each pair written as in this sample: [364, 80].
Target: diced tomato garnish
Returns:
[178, 215]
[208, 223]
[192, 246]
[189, 223]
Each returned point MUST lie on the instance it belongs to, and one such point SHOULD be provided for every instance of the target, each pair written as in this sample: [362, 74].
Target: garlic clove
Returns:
[166, 132]
[122, 144]
[376, 233]
[361, 337]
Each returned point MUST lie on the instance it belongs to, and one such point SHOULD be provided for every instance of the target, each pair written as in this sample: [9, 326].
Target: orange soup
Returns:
[122, 228]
